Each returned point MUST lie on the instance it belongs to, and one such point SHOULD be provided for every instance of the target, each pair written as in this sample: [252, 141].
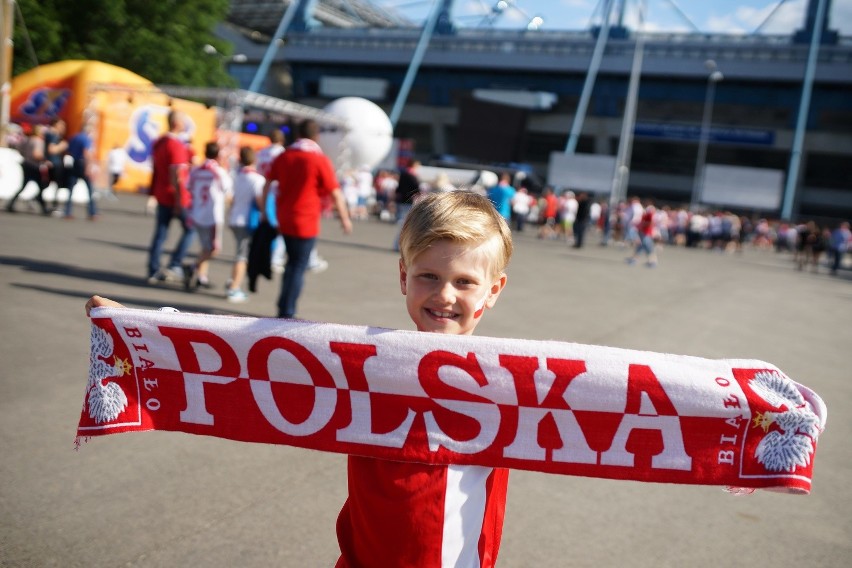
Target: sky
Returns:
[719, 16]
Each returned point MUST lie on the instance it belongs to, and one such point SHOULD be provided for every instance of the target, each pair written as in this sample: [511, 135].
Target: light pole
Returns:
[7, 25]
[224, 60]
[698, 181]
[236, 58]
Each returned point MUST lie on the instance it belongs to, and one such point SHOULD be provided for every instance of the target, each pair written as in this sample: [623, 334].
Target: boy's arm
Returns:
[99, 302]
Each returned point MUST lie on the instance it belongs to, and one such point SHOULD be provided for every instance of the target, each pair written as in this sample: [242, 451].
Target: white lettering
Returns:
[488, 416]
[196, 405]
[325, 403]
[360, 429]
[574, 448]
[726, 457]
[673, 455]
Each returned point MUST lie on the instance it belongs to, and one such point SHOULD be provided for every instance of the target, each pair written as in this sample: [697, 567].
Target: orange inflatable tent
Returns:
[126, 110]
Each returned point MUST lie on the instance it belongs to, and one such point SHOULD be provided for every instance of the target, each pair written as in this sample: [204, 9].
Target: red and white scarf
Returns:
[545, 406]
[305, 145]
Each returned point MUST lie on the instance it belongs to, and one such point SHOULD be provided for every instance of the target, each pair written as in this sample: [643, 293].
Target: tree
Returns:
[161, 40]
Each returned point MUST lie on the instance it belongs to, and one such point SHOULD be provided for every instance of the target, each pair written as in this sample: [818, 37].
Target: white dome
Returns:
[368, 141]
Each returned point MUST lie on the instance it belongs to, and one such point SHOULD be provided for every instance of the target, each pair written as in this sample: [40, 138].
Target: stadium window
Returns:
[420, 133]
[828, 170]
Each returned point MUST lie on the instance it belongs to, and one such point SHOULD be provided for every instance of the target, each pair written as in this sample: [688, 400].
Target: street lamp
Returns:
[236, 58]
[698, 181]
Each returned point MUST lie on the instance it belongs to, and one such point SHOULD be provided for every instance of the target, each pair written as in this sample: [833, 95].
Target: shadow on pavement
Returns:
[48, 267]
[134, 301]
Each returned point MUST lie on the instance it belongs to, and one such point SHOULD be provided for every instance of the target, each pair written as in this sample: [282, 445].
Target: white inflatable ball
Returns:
[368, 140]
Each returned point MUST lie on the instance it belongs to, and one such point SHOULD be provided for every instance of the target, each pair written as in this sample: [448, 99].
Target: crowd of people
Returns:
[198, 195]
[272, 203]
[642, 226]
[51, 158]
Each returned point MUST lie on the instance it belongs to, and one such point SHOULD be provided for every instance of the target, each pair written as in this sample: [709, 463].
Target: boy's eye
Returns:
[428, 276]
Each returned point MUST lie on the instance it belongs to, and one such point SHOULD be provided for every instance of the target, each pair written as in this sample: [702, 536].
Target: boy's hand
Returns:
[99, 302]
[347, 225]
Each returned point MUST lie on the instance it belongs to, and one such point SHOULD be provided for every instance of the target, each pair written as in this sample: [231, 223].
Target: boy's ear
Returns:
[496, 287]
[403, 274]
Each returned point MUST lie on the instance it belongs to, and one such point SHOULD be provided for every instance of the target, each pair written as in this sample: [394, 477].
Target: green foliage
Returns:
[162, 40]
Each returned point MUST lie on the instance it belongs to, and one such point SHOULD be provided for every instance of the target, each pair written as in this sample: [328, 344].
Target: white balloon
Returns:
[368, 140]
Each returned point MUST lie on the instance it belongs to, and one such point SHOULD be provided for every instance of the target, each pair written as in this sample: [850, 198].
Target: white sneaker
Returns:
[157, 278]
[320, 266]
[174, 274]
[236, 296]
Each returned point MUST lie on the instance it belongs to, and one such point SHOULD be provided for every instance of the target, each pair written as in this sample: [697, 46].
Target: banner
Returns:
[545, 406]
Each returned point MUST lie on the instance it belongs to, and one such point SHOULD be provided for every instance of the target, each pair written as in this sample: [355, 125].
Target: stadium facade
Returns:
[363, 51]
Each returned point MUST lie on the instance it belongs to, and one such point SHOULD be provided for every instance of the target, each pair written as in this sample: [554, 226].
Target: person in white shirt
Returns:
[265, 157]
[366, 192]
[210, 187]
[569, 213]
[246, 204]
[521, 202]
[116, 162]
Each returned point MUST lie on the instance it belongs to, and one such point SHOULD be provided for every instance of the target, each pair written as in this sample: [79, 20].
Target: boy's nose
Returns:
[446, 292]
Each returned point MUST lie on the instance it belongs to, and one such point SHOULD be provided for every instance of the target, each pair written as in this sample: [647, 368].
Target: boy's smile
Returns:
[448, 286]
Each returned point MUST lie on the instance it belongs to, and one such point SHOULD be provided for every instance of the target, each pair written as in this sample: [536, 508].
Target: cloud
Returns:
[578, 4]
[841, 16]
[727, 24]
[788, 18]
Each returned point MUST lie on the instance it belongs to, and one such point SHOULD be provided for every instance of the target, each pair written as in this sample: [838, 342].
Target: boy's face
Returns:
[448, 287]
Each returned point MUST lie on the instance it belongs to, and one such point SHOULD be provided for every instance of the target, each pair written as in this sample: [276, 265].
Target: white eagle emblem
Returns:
[792, 443]
[106, 401]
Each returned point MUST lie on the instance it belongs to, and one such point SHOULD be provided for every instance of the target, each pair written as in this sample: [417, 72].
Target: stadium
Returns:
[490, 95]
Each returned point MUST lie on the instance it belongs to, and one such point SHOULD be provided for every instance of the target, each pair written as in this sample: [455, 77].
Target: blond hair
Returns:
[459, 217]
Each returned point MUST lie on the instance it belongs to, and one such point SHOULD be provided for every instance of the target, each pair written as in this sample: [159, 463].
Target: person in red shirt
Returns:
[549, 209]
[171, 160]
[646, 242]
[305, 176]
[454, 249]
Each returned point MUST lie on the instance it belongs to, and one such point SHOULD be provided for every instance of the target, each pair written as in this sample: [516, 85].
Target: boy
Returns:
[210, 187]
[454, 248]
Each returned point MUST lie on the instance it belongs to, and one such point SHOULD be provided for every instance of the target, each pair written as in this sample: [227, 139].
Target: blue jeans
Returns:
[78, 172]
[31, 173]
[298, 255]
[646, 245]
[165, 214]
[402, 210]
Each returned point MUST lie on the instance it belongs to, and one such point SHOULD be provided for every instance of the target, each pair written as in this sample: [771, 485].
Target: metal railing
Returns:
[756, 48]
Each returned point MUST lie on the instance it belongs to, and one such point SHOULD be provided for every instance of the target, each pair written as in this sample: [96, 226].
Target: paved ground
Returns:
[163, 499]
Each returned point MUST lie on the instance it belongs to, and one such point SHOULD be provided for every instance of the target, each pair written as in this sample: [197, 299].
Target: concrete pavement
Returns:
[165, 499]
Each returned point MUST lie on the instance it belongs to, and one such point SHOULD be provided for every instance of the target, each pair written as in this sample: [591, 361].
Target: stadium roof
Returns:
[263, 15]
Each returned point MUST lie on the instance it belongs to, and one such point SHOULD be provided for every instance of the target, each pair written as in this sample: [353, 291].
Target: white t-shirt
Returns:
[116, 158]
[521, 203]
[569, 209]
[265, 157]
[248, 189]
[209, 185]
[364, 179]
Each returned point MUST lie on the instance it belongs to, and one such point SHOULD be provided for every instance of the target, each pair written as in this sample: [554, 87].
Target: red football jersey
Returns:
[304, 178]
[421, 516]
[169, 151]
